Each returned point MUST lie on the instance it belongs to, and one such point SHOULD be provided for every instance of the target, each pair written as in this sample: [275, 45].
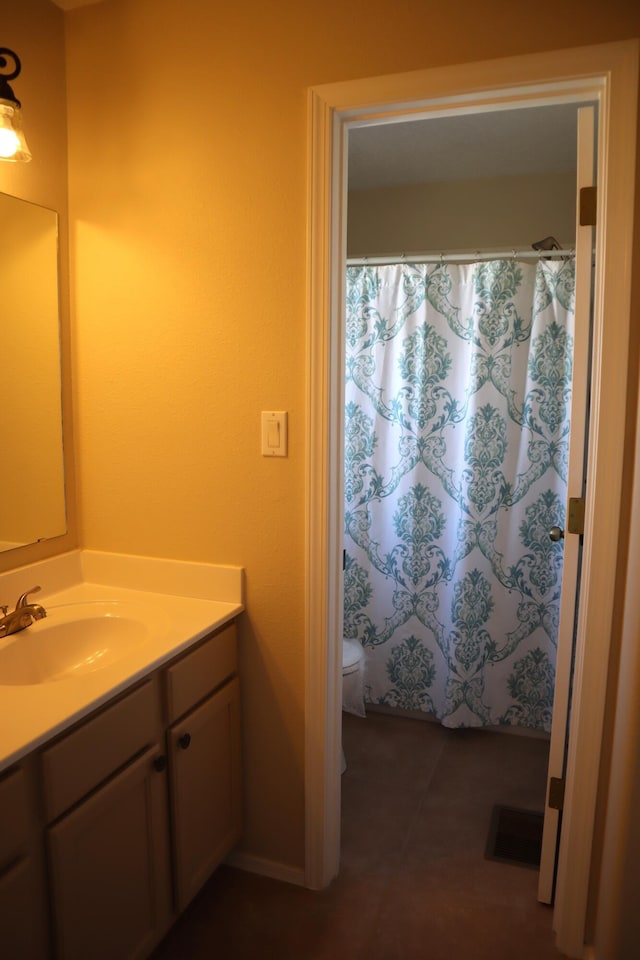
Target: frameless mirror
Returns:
[32, 500]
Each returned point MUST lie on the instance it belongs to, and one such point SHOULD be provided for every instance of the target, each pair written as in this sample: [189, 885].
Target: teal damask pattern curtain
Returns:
[458, 386]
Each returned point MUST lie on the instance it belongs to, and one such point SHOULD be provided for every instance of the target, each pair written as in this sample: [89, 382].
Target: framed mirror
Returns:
[32, 494]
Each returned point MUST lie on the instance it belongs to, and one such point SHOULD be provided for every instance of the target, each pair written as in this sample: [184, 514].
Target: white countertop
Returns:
[32, 714]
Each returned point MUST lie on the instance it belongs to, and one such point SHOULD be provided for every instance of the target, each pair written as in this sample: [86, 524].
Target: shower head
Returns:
[549, 243]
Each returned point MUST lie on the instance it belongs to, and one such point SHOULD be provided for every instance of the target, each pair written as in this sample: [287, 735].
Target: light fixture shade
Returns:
[13, 145]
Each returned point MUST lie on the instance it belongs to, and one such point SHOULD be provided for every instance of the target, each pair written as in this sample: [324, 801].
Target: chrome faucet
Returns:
[23, 615]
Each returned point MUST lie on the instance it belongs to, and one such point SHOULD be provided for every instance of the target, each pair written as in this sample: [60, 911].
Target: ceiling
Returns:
[472, 146]
[72, 4]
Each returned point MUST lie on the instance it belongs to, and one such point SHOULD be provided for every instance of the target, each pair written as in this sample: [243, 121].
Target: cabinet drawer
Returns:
[196, 674]
[96, 749]
[14, 825]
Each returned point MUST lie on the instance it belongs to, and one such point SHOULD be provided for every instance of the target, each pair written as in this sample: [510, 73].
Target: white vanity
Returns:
[120, 772]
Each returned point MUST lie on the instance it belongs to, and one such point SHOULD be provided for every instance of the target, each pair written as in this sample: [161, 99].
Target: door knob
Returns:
[160, 763]
[184, 741]
[556, 533]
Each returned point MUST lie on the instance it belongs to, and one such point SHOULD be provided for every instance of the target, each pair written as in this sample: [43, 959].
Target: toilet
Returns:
[353, 663]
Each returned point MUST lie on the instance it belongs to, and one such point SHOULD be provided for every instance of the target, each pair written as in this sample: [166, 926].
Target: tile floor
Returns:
[414, 882]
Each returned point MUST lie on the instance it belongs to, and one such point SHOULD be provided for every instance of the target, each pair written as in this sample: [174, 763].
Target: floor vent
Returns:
[515, 836]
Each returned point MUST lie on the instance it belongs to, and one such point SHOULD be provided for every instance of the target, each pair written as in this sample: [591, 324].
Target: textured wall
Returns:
[188, 205]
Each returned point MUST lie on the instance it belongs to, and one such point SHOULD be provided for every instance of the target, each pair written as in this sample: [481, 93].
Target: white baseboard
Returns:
[267, 868]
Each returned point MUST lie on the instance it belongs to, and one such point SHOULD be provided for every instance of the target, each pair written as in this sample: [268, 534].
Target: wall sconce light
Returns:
[13, 145]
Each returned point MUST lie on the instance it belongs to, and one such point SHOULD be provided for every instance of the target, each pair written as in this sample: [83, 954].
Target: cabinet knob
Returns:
[160, 763]
[184, 741]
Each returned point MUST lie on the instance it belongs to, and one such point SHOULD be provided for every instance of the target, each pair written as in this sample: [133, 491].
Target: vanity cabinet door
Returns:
[24, 928]
[204, 757]
[109, 864]
[22, 934]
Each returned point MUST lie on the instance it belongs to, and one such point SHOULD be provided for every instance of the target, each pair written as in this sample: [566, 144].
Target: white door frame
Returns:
[584, 237]
[609, 72]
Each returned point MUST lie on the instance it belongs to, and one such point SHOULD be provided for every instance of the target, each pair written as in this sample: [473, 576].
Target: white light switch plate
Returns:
[274, 433]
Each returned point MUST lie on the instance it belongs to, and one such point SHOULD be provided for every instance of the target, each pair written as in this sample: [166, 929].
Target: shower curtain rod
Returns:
[457, 257]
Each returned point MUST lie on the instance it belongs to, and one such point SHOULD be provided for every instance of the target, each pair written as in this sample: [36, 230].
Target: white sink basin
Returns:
[76, 639]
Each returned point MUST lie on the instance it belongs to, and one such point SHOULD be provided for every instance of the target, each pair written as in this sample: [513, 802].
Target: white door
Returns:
[575, 489]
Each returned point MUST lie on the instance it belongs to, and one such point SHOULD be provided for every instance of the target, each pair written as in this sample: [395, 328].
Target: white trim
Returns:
[323, 734]
[575, 485]
[612, 295]
[624, 782]
[266, 868]
[621, 809]
[609, 70]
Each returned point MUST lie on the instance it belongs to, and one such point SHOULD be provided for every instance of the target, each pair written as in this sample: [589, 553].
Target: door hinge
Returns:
[575, 522]
[588, 204]
[556, 793]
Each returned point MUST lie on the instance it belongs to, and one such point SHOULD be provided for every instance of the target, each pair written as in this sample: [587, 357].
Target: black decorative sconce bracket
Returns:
[6, 93]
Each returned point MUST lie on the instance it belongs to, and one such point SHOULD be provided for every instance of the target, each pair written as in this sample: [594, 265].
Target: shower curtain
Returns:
[458, 383]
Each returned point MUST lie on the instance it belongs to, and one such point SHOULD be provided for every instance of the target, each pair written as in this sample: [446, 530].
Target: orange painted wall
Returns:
[187, 128]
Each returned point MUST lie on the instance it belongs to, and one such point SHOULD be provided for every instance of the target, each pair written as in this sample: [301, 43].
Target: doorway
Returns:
[591, 73]
[452, 584]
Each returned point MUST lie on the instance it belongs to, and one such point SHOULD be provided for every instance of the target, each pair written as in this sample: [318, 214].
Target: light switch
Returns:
[274, 433]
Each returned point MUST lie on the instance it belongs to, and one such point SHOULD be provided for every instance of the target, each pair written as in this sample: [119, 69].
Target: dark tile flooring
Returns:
[414, 883]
